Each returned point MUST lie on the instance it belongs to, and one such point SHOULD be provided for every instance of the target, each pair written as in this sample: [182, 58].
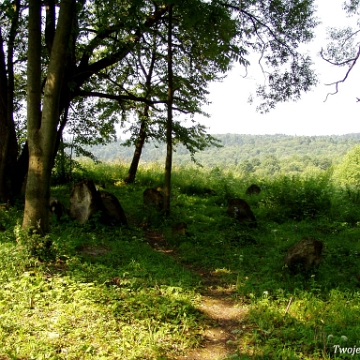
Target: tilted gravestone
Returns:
[112, 211]
[84, 201]
[304, 255]
[253, 189]
[153, 198]
[240, 210]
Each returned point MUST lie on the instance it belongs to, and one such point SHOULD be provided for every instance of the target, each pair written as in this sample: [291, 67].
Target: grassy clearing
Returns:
[104, 293]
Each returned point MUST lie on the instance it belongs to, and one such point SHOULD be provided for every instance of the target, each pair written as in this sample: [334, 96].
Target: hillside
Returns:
[248, 152]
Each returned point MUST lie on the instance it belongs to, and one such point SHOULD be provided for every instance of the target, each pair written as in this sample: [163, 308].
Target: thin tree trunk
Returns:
[130, 177]
[13, 143]
[8, 141]
[169, 149]
[42, 130]
[4, 133]
[20, 172]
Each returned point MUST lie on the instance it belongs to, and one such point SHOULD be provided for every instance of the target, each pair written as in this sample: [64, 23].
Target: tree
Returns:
[144, 117]
[169, 122]
[348, 172]
[42, 124]
[246, 167]
[192, 75]
[9, 29]
[83, 58]
[45, 128]
[273, 29]
[105, 36]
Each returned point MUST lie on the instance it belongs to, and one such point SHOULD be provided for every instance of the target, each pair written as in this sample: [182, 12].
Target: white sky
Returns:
[231, 113]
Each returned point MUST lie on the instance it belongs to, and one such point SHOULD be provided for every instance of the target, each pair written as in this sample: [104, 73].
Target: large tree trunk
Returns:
[33, 201]
[169, 149]
[42, 128]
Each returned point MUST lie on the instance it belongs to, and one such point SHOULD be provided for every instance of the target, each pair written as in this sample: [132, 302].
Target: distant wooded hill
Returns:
[248, 153]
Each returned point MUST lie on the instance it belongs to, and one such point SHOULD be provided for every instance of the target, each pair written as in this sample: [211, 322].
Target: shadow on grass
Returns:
[107, 294]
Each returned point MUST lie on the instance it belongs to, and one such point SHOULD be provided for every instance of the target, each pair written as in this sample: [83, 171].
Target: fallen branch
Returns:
[288, 305]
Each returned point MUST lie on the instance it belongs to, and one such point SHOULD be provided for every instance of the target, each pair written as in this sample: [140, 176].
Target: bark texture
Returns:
[42, 127]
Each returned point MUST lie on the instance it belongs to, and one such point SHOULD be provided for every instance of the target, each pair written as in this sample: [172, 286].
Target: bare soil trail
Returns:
[220, 306]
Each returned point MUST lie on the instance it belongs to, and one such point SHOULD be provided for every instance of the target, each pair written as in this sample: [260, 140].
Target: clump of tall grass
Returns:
[100, 172]
[297, 198]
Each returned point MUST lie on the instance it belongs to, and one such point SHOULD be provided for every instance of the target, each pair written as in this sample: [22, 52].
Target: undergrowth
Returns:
[105, 293]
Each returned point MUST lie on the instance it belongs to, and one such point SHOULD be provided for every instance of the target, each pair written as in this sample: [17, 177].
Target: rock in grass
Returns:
[304, 255]
[179, 228]
[253, 189]
[112, 211]
[57, 208]
[153, 198]
[84, 201]
[240, 210]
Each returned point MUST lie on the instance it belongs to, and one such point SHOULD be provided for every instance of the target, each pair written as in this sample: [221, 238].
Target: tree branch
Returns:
[336, 83]
[85, 71]
[256, 19]
[119, 98]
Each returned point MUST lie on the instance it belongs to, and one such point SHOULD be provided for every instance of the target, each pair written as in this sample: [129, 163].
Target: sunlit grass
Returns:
[118, 308]
[104, 293]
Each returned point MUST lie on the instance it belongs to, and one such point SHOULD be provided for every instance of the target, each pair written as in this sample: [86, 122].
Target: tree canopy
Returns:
[113, 47]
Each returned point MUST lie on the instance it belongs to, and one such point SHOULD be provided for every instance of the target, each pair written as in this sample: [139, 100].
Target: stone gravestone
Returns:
[112, 211]
[253, 189]
[240, 210]
[57, 208]
[304, 255]
[153, 198]
[84, 201]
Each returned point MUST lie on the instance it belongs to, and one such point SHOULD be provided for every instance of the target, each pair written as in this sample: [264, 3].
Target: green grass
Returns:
[104, 293]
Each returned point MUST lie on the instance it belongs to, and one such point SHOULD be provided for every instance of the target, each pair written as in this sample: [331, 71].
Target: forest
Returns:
[247, 154]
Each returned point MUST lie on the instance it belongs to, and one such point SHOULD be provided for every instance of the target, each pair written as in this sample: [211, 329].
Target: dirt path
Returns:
[222, 313]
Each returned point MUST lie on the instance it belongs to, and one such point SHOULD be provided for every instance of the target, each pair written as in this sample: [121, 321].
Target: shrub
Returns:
[298, 198]
[348, 172]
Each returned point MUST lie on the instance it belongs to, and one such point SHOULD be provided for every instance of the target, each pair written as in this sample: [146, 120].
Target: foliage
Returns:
[348, 172]
[260, 155]
[33, 244]
[130, 303]
[298, 198]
